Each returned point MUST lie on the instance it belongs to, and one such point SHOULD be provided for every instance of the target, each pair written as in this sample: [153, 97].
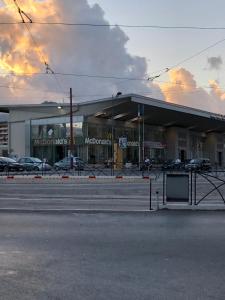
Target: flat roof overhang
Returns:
[161, 113]
[156, 112]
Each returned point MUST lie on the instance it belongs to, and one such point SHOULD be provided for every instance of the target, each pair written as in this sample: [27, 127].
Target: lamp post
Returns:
[140, 135]
[112, 142]
[71, 130]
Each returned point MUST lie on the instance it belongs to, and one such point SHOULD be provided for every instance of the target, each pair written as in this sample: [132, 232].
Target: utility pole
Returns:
[71, 129]
[139, 137]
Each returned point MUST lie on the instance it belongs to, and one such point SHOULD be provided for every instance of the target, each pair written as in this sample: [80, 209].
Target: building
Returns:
[123, 129]
[3, 134]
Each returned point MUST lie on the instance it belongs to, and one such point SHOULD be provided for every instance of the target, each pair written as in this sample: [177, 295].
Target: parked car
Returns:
[198, 164]
[34, 164]
[64, 164]
[173, 164]
[9, 164]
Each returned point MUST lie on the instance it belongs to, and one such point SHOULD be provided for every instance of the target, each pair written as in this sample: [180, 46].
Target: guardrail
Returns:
[87, 171]
[100, 171]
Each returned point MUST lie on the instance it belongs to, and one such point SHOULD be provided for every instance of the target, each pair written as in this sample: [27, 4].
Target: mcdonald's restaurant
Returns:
[124, 129]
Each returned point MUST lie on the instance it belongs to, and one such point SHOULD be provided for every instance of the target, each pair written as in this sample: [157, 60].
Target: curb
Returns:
[209, 207]
[74, 211]
[73, 179]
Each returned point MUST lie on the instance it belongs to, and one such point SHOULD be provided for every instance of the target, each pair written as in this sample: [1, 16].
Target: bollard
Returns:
[157, 199]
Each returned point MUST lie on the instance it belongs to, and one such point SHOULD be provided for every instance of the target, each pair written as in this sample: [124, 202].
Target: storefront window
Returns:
[94, 142]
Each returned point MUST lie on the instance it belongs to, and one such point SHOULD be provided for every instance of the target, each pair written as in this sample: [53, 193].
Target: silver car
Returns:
[34, 164]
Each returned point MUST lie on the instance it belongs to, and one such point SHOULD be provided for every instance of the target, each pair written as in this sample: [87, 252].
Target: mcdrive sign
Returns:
[94, 141]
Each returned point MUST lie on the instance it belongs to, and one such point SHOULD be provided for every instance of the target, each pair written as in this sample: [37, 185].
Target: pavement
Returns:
[87, 196]
[129, 256]
[97, 194]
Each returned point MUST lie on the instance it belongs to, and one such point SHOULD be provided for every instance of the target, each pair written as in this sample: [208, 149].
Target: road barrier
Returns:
[195, 189]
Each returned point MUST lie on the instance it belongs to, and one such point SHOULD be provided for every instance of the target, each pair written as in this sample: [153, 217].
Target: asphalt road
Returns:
[116, 195]
[160, 255]
[106, 196]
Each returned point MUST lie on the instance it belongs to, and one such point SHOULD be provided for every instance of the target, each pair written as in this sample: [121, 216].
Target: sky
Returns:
[165, 47]
[74, 55]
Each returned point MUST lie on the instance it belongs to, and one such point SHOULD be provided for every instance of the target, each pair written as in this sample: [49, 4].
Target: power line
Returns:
[25, 17]
[77, 75]
[166, 70]
[117, 25]
[123, 79]
[198, 53]
[22, 14]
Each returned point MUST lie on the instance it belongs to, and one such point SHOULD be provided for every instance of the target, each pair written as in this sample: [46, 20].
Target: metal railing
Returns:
[206, 187]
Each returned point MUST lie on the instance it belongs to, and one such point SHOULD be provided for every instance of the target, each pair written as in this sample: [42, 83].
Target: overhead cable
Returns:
[110, 25]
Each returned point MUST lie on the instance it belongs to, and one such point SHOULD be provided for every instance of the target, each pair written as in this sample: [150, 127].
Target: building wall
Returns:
[17, 139]
[210, 147]
[215, 147]
[19, 136]
[171, 143]
[196, 144]
[4, 139]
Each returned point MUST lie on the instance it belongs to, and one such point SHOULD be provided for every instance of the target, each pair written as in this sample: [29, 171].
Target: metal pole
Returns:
[112, 141]
[195, 196]
[71, 129]
[143, 133]
[157, 199]
[150, 194]
[164, 187]
[191, 187]
[139, 137]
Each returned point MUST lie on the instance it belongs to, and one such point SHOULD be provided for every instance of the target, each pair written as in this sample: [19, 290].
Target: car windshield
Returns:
[36, 160]
[7, 159]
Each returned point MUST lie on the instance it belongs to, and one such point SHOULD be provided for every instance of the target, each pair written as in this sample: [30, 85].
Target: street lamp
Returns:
[71, 129]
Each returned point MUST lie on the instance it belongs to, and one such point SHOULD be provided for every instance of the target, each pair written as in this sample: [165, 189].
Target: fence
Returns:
[92, 170]
[201, 188]
[193, 189]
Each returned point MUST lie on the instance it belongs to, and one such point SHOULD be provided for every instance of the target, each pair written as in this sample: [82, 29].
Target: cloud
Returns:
[83, 50]
[79, 50]
[215, 63]
[182, 89]
[216, 91]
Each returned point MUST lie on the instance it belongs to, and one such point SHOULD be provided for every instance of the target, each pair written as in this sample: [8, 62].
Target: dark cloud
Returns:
[214, 62]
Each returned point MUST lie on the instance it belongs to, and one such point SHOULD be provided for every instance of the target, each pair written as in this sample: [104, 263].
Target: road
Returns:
[113, 196]
[129, 256]
[99, 194]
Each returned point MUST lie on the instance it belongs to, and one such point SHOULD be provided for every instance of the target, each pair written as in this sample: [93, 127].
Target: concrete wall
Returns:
[19, 137]
[210, 147]
[171, 142]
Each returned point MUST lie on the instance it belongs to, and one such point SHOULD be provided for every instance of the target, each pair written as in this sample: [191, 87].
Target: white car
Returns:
[34, 164]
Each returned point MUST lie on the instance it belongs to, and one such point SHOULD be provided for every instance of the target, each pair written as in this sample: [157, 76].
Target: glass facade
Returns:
[96, 142]
[50, 138]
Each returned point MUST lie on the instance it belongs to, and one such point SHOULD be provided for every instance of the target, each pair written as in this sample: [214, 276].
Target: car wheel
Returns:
[36, 169]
